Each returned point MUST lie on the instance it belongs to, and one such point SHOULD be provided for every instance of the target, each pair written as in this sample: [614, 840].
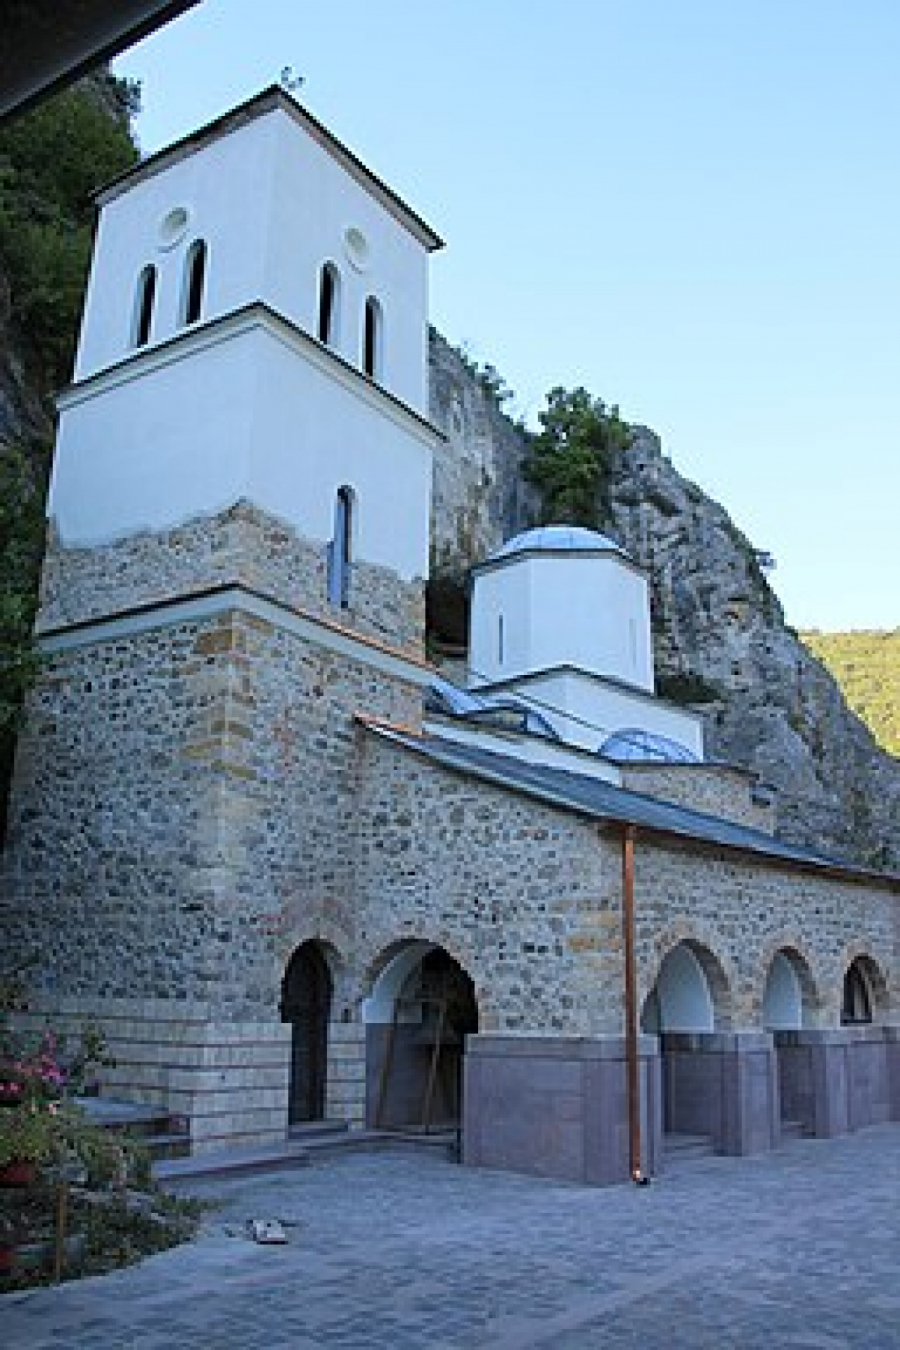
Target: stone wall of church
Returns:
[523, 896]
[181, 795]
[528, 899]
[716, 789]
[241, 545]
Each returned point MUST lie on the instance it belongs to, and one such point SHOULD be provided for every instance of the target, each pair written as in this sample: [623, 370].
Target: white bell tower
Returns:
[255, 331]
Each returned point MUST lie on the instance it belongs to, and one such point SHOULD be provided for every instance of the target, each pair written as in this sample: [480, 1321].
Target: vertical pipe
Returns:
[631, 1027]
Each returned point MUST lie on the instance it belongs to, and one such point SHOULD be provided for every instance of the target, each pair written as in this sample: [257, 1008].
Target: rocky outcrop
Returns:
[720, 637]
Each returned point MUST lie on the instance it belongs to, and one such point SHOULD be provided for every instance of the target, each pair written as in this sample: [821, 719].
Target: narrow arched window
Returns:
[856, 1005]
[329, 298]
[372, 338]
[194, 281]
[143, 307]
[339, 550]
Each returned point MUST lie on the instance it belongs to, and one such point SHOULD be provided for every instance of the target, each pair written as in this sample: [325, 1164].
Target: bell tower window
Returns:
[329, 297]
[194, 280]
[339, 550]
[143, 309]
[372, 338]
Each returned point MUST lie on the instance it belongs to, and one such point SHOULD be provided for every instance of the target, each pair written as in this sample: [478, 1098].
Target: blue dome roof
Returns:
[557, 539]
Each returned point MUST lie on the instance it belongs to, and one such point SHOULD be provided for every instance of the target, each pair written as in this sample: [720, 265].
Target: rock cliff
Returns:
[720, 637]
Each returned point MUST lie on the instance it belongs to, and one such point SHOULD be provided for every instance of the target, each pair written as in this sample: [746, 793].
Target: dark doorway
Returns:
[306, 1004]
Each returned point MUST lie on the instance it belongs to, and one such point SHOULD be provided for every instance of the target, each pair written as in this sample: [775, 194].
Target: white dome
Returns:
[557, 539]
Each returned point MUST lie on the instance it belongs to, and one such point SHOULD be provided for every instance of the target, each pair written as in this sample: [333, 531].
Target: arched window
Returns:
[143, 307]
[372, 338]
[329, 304]
[339, 550]
[194, 278]
[856, 1005]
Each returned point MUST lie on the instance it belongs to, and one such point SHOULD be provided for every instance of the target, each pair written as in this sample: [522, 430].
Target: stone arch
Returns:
[784, 973]
[421, 1005]
[307, 995]
[865, 995]
[382, 949]
[697, 957]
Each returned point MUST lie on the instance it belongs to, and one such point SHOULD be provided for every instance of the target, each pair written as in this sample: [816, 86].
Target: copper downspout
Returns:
[631, 1022]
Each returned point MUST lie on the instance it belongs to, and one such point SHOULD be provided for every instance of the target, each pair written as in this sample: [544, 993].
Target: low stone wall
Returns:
[558, 1106]
[716, 789]
[228, 1080]
[839, 1080]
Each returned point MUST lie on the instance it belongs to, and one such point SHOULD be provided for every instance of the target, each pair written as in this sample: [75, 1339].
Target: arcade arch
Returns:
[421, 1007]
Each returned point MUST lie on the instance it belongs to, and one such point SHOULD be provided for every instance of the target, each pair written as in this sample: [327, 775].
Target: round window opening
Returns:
[356, 246]
[173, 226]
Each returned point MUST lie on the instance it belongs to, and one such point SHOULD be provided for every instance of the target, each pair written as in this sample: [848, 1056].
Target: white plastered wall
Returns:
[585, 610]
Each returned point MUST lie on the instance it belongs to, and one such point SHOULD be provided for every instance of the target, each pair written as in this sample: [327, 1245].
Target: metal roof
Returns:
[604, 801]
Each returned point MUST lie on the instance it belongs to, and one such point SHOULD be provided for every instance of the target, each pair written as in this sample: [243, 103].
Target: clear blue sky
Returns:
[692, 207]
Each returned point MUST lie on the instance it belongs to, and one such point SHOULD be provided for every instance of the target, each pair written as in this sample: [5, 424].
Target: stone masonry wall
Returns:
[242, 545]
[741, 912]
[178, 793]
[518, 893]
[528, 899]
[712, 788]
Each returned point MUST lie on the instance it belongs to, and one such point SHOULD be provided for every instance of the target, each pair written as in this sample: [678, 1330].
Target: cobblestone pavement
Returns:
[800, 1248]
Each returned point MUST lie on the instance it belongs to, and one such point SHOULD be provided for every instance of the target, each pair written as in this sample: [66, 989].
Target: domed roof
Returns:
[557, 539]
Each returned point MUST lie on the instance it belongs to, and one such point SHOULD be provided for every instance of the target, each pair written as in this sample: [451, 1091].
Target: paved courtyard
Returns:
[800, 1248]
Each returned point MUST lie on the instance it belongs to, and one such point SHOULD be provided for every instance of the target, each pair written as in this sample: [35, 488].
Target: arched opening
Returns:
[329, 304]
[686, 1005]
[143, 308]
[194, 281]
[857, 999]
[681, 999]
[340, 549]
[789, 999]
[372, 338]
[421, 1009]
[306, 994]
[783, 1001]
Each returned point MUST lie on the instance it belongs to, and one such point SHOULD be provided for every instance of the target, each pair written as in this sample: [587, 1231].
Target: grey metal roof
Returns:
[604, 801]
[557, 539]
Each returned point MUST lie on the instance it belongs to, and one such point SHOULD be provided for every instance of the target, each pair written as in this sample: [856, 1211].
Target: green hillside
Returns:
[867, 667]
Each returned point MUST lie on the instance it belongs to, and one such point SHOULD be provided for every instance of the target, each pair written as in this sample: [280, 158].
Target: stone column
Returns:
[345, 1090]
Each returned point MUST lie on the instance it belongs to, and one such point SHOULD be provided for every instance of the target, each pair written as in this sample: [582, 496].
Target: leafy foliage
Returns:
[571, 459]
[51, 161]
[867, 667]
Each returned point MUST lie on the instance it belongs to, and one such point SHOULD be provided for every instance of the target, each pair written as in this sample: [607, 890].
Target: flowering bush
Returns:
[33, 1078]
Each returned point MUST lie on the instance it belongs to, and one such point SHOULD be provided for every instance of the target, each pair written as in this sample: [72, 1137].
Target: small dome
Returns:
[557, 539]
[630, 745]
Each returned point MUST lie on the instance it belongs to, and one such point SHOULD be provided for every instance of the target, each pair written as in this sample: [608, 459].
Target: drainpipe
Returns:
[631, 1022]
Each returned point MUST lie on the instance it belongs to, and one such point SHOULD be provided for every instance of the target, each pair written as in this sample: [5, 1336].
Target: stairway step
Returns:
[682, 1147]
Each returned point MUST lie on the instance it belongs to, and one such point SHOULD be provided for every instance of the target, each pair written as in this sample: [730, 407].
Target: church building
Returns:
[294, 873]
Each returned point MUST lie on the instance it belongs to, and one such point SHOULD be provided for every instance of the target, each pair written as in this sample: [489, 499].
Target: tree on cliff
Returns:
[570, 460]
[51, 161]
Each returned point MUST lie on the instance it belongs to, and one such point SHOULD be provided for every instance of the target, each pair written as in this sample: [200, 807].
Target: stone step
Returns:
[153, 1128]
[794, 1129]
[685, 1147]
[293, 1153]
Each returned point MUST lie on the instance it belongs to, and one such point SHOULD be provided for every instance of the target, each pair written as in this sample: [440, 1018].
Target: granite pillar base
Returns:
[838, 1080]
[558, 1106]
[723, 1085]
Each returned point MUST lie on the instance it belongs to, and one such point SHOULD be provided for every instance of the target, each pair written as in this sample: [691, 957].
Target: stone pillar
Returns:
[557, 1106]
[723, 1084]
[345, 1090]
[892, 1044]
